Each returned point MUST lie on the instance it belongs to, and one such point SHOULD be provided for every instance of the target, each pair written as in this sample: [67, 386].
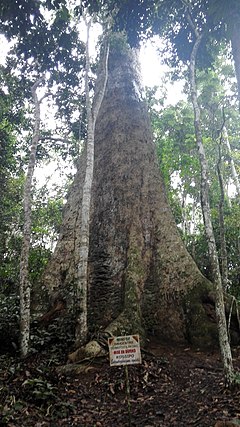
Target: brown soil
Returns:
[172, 387]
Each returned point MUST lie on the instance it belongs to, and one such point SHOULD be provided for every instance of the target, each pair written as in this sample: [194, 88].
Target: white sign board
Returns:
[124, 350]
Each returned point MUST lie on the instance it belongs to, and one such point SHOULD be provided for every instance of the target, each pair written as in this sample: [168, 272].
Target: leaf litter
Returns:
[172, 387]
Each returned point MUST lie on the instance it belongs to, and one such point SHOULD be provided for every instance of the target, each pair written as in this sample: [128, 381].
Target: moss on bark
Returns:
[201, 327]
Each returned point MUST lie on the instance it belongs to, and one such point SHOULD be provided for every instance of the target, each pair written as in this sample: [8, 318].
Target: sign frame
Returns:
[124, 350]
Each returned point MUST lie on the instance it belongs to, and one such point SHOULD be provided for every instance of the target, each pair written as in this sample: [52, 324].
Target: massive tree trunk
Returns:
[141, 279]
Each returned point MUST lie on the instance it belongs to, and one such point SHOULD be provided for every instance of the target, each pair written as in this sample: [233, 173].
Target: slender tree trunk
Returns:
[193, 228]
[216, 275]
[25, 286]
[223, 245]
[92, 113]
[233, 168]
[235, 41]
[184, 214]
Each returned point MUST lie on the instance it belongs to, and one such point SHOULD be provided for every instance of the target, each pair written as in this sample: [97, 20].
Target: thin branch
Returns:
[52, 138]
[190, 19]
[45, 96]
[36, 84]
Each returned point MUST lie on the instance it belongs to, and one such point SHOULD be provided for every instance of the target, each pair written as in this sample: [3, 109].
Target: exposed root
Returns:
[98, 347]
[91, 350]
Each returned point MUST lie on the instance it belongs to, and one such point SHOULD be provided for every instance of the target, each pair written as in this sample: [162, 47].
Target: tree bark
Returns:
[82, 280]
[233, 168]
[25, 286]
[212, 249]
[141, 279]
[233, 28]
[223, 244]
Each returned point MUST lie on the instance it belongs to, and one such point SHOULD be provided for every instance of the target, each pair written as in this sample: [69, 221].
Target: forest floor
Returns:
[172, 387]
